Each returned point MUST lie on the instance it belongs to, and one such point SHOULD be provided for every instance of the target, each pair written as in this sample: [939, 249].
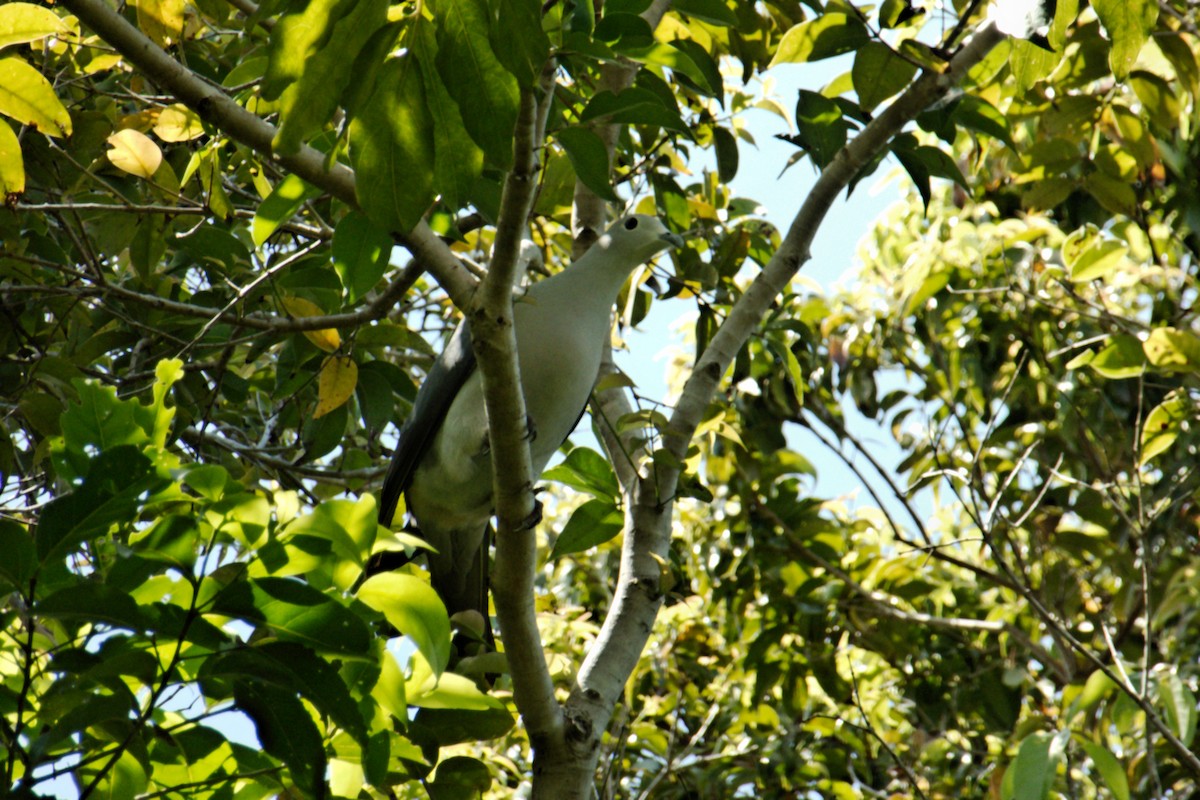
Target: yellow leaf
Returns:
[328, 339]
[339, 376]
[161, 20]
[26, 22]
[135, 153]
[27, 97]
[12, 166]
[178, 123]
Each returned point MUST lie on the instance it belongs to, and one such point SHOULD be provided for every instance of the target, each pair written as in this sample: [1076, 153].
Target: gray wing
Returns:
[441, 386]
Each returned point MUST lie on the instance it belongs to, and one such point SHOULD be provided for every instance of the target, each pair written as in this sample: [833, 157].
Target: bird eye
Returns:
[631, 223]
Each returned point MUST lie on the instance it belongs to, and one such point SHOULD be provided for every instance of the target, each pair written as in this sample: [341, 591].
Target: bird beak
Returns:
[674, 239]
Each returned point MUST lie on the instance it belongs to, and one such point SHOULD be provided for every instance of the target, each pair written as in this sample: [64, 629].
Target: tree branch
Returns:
[638, 595]
[495, 343]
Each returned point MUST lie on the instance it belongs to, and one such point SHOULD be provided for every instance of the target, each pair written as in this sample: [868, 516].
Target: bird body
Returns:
[442, 463]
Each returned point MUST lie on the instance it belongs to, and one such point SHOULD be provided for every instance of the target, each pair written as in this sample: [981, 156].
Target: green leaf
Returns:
[716, 12]
[312, 63]
[593, 523]
[350, 526]
[94, 603]
[294, 668]
[820, 128]
[632, 106]
[26, 22]
[1109, 768]
[413, 608]
[297, 612]
[1173, 349]
[12, 165]
[173, 539]
[727, 153]
[879, 73]
[585, 470]
[981, 116]
[1096, 261]
[1179, 704]
[590, 160]
[286, 731]
[708, 80]
[28, 98]
[1031, 774]
[1163, 426]
[457, 160]
[279, 206]
[361, 253]
[485, 91]
[391, 140]
[518, 39]
[18, 556]
[1128, 24]
[459, 778]
[1122, 357]
[828, 35]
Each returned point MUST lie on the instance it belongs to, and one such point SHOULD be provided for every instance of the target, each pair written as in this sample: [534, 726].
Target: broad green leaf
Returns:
[18, 557]
[1096, 261]
[1179, 704]
[820, 128]
[1109, 768]
[585, 470]
[716, 12]
[632, 106]
[1173, 349]
[518, 39]
[709, 80]
[295, 611]
[1122, 357]
[485, 91]
[296, 668]
[12, 165]
[1128, 24]
[286, 731]
[828, 35]
[28, 98]
[173, 539]
[90, 602]
[388, 691]
[726, 146]
[1031, 774]
[980, 115]
[590, 160]
[1030, 63]
[459, 777]
[413, 608]
[592, 524]
[26, 22]
[335, 384]
[279, 206]
[1113, 193]
[457, 160]
[349, 526]
[391, 140]
[427, 688]
[879, 73]
[316, 52]
[117, 483]
[376, 398]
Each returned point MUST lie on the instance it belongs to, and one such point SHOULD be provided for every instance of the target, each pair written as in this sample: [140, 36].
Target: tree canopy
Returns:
[235, 236]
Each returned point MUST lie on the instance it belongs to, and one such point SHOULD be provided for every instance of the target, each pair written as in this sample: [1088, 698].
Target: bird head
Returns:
[638, 238]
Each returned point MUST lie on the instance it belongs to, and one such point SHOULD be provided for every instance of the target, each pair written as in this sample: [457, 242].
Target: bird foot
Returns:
[535, 517]
[530, 429]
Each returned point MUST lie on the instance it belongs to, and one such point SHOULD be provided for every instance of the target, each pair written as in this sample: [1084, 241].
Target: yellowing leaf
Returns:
[1173, 349]
[161, 20]
[328, 339]
[26, 22]
[339, 376]
[29, 98]
[12, 166]
[178, 123]
[135, 153]
[1162, 426]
